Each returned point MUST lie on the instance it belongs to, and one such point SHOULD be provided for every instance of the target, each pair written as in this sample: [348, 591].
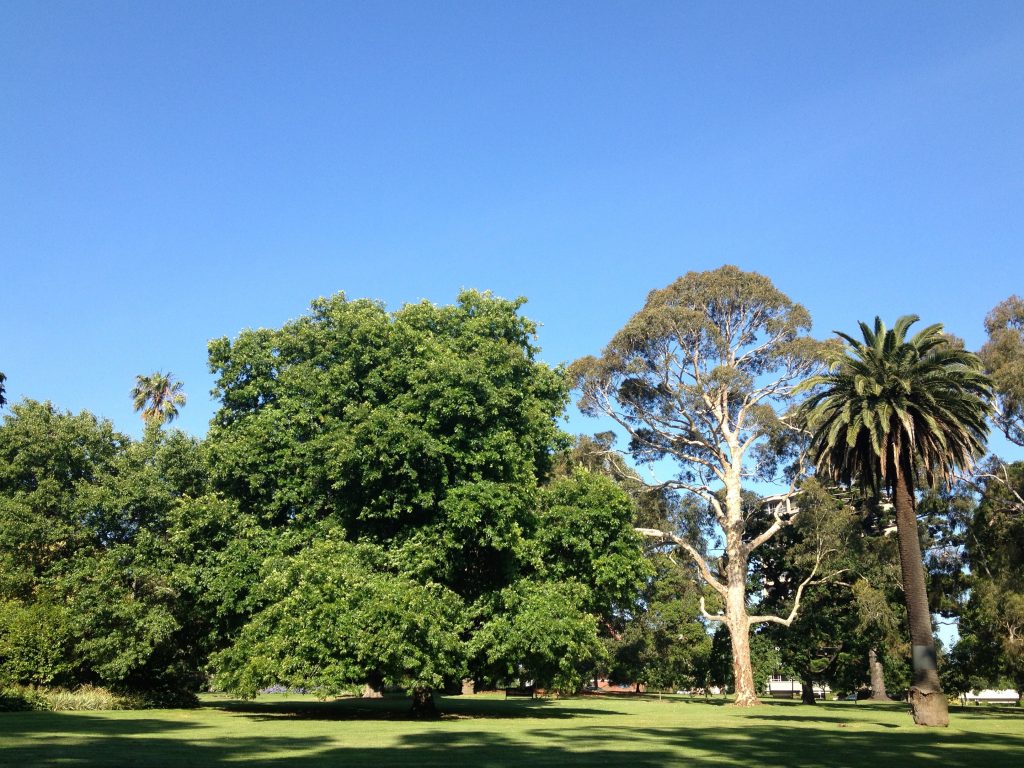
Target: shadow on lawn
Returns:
[988, 712]
[400, 708]
[93, 740]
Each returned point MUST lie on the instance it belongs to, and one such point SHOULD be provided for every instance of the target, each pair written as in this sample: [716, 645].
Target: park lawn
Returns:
[486, 730]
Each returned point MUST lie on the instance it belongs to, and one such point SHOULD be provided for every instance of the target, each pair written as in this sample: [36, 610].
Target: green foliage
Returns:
[991, 648]
[394, 462]
[90, 588]
[723, 339]
[84, 698]
[1003, 356]
[332, 614]
[539, 631]
[584, 534]
[35, 642]
[157, 398]
[888, 397]
[373, 419]
[660, 641]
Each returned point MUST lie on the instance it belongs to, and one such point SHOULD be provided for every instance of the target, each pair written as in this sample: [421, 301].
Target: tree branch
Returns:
[697, 557]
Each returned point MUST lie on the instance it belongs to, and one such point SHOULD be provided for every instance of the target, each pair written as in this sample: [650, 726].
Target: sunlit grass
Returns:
[486, 730]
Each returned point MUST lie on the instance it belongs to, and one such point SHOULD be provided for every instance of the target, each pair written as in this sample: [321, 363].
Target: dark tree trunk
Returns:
[807, 691]
[927, 700]
[374, 687]
[423, 703]
[877, 672]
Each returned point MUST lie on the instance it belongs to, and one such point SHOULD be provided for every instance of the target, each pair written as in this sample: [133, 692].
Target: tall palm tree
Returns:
[891, 412]
[157, 397]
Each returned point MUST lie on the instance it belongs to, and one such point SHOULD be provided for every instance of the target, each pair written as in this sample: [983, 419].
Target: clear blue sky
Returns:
[174, 172]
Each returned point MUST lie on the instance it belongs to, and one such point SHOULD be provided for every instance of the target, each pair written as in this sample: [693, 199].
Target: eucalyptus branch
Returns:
[697, 557]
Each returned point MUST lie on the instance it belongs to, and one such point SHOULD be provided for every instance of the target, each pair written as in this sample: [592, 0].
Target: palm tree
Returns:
[892, 412]
[157, 397]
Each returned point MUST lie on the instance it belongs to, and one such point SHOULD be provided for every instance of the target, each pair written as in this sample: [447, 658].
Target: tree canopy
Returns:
[416, 443]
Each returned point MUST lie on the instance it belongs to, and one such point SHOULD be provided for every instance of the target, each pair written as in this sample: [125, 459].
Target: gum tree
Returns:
[1003, 356]
[702, 375]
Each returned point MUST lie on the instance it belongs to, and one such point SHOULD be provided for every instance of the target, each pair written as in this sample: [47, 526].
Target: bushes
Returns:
[24, 698]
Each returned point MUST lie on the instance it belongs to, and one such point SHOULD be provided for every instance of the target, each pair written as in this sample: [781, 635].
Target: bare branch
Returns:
[799, 595]
[697, 557]
[710, 616]
[782, 500]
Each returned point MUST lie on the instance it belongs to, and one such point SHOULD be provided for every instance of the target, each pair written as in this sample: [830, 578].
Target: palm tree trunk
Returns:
[927, 700]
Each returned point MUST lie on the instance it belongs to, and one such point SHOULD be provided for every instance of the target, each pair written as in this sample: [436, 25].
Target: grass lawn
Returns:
[485, 730]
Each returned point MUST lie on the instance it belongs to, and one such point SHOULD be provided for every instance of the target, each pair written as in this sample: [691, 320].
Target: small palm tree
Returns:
[157, 397]
[891, 412]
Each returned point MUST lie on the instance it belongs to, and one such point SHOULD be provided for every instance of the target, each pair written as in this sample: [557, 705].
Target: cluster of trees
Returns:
[384, 499]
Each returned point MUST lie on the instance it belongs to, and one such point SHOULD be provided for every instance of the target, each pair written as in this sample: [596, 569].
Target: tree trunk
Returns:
[877, 672]
[374, 686]
[927, 700]
[423, 703]
[807, 691]
[737, 618]
[739, 635]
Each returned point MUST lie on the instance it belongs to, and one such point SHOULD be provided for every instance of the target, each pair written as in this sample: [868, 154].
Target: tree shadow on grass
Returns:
[400, 708]
[838, 720]
[92, 740]
[989, 712]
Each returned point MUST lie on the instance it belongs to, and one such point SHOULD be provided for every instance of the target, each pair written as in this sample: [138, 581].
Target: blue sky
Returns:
[175, 172]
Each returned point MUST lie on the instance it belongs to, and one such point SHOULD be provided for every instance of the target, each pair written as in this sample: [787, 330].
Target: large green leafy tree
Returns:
[702, 375]
[420, 438]
[893, 410]
[157, 397]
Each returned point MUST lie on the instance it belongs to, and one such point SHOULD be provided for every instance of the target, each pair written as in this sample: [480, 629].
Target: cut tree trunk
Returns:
[928, 702]
[877, 672]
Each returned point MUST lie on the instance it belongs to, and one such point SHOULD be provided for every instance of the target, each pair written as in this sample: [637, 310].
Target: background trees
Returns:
[991, 647]
[889, 411]
[701, 375]
[92, 588]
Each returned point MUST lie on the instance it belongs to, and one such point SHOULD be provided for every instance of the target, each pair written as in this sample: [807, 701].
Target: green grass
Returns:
[488, 731]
